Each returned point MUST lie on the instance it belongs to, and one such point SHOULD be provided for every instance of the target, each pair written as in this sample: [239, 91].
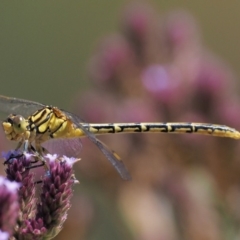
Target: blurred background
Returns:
[124, 61]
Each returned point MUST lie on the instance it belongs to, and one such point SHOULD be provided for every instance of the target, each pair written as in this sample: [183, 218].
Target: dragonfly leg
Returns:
[40, 151]
[19, 145]
[37, 165]
[44, 150]
[37, 154]
[26, 146]
[12, 156]
[38, 182]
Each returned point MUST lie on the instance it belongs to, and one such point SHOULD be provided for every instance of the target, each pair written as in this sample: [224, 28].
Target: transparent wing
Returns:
[18, 106]
[112, 157]
[69, 147]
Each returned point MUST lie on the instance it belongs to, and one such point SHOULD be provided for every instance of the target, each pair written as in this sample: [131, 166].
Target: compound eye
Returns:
[17, 120]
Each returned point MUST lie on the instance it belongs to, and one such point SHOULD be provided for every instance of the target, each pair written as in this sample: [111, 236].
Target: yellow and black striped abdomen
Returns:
[197, 128]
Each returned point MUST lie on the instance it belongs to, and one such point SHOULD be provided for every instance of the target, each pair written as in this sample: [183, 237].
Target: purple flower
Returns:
[9, 207]
[41, 216]
[56, 193]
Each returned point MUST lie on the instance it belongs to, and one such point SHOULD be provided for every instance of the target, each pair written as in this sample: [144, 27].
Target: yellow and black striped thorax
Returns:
[50, 122]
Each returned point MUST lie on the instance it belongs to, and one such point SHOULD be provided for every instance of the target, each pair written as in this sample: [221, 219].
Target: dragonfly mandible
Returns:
[35, 123]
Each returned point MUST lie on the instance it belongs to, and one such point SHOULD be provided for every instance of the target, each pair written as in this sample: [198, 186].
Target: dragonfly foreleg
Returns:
[37, 165]
[37, 153]
[19, 145]
[38, 182]
[12, 156]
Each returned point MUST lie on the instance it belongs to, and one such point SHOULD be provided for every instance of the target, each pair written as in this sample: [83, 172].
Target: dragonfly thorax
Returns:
[51, 123]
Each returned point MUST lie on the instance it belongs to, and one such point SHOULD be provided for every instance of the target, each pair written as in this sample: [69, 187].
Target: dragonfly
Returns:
[32, 124]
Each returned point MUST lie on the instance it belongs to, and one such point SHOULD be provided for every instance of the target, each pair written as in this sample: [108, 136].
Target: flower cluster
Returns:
[26, 213]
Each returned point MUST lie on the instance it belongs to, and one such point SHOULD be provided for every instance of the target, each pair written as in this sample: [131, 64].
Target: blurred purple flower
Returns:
[4, 235]
[113, 55]
[9, 207]
[171, 76]
[161, 82]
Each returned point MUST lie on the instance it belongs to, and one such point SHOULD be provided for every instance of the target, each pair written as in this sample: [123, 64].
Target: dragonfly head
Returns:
[16, 127]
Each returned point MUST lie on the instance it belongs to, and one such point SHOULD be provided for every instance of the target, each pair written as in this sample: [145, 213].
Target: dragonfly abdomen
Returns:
[199, 128]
